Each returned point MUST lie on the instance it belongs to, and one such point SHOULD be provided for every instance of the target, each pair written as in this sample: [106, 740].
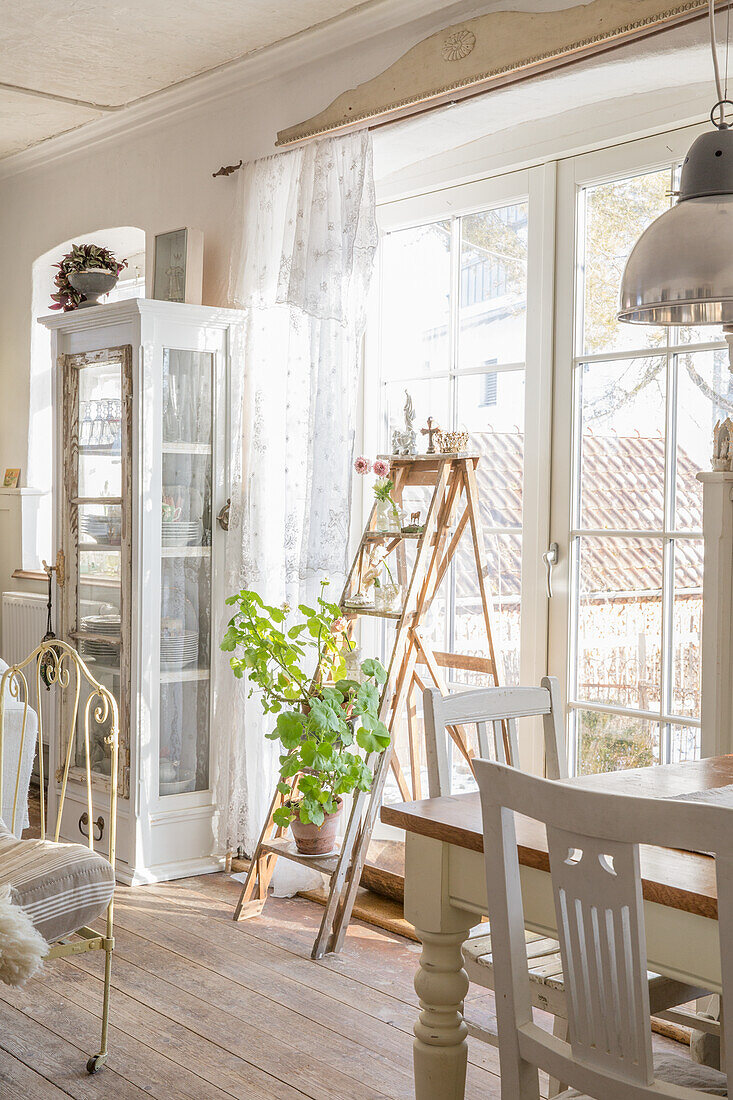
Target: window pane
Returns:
[497, 432]
[430, 397]
[504, 574]
[616, 214]
[100, 428]
[687, 627]
[684, 744]
[493, 302]
[612, 742]
[620, 622]
[705, 394]
[623, 439]
[416, 301]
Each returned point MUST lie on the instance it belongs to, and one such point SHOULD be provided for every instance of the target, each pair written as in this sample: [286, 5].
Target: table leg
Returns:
[440, 1050]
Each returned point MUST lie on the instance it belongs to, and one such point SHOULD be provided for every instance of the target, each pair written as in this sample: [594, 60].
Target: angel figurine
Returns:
[405, 442]
[723, 444]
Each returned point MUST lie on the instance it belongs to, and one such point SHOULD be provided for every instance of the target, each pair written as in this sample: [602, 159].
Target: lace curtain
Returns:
[301, 267]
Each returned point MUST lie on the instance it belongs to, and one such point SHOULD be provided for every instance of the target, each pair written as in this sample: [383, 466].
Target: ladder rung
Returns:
[371, 611]
[286, 850]
[373, 536]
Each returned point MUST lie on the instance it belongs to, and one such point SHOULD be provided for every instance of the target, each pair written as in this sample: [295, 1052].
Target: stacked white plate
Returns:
[181, 533]
[100, 529]
[101, 651]
[179, 650]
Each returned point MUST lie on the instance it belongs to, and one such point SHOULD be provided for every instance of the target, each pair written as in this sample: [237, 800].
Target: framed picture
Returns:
[178, 266]
[11, 479]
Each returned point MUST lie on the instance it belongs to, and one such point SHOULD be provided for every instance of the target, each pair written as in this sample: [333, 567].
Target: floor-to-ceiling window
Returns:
[463, 300]
[643, 403]
[452, 329]
[454, 311]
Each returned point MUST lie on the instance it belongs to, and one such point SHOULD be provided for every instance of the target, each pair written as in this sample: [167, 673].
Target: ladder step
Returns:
[370, 611]
[286, 850]
[374, 536]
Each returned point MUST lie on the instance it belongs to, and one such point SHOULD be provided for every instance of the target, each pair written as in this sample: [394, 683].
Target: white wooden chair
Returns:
[495, 712]
[51, 891]
[593, 840]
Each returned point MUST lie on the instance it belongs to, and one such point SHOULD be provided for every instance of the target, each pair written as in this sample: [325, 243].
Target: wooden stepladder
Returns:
[453, 512]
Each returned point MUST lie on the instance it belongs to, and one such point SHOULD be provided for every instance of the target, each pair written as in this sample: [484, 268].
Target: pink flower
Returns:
[362, 465]
[338, 626]
[381, 467]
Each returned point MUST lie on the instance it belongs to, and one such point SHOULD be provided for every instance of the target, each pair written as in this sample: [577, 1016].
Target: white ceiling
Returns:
[106, 54]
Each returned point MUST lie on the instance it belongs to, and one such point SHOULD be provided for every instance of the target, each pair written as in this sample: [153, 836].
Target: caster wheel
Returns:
[95, 1063]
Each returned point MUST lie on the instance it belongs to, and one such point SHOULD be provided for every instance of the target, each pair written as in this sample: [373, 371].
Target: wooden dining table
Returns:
[446, 895]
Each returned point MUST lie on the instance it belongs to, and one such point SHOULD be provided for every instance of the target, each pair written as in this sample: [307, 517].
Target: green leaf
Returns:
[311, 812]
[283, 816]
[290, 726]
[283, 787]
[367, 698]
[375, 669]
[373, 740]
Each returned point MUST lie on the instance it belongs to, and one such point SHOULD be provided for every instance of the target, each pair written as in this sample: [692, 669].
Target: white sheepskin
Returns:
[22, 947]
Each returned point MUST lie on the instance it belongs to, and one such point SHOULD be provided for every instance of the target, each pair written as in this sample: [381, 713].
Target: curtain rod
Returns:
[505, 81]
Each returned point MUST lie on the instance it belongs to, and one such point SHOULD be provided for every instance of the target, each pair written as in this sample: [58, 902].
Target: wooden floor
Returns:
[204, 1009]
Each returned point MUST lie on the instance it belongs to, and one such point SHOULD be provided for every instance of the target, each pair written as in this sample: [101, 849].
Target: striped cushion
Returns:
[61, 887]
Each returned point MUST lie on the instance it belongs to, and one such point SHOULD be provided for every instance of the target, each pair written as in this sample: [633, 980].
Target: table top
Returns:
[682, 880]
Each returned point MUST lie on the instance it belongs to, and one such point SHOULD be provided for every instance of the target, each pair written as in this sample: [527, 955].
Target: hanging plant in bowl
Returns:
[327, 724]
[84, 275]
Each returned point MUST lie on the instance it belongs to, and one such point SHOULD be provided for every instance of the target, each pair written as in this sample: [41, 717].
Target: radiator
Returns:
[23, 627]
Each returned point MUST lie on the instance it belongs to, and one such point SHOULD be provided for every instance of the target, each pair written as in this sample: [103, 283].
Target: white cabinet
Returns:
[141, 475]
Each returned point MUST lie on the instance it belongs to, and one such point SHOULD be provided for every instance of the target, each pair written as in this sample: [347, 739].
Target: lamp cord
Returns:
[714, 49]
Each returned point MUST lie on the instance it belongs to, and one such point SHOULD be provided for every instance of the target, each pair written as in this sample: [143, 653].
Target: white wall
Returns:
[157, 174]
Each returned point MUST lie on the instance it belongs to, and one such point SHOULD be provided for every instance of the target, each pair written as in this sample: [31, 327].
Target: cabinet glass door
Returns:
[185, 603]
[96, 535]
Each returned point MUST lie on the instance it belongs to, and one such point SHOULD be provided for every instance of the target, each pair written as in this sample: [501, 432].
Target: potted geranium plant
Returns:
[327, 724]
[83, 275]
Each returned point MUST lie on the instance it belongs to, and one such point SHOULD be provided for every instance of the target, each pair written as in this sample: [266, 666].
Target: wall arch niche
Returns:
[127, 242]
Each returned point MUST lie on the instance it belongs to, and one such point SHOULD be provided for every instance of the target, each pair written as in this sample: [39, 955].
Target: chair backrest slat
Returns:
[497, 709]
[596, 882]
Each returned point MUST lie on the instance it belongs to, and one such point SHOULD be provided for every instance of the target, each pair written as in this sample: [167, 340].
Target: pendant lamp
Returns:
[680, 271]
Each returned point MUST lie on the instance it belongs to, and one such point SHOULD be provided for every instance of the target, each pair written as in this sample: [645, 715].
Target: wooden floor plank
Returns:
[377, 1022]
[309, 1073]
[17, 1080]
[221, 1075]
[390, 1072]
[58, 1061]
[204, 1008]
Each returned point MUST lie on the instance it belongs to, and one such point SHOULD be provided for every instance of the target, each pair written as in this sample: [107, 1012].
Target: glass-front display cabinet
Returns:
[141, 476]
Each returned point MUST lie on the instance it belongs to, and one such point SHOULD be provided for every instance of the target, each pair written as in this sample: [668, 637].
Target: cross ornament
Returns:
[430, 431]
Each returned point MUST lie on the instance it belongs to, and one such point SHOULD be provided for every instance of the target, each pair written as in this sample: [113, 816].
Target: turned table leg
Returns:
[440, 1050]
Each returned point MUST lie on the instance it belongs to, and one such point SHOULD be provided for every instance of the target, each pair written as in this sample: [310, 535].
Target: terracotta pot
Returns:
[316, 840]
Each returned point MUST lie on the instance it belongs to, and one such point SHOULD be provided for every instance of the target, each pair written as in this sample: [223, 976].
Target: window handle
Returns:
[550, 558]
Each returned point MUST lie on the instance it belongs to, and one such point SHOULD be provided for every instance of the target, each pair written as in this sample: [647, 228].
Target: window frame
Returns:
[536, 186]
[615, 162]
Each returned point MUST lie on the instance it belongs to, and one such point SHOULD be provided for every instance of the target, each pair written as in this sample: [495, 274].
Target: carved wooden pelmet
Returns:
[492, 51]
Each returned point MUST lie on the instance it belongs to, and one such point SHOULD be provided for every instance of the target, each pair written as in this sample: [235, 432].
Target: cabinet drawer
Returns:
[75, 828]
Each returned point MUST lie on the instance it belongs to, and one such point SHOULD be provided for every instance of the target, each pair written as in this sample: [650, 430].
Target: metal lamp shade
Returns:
[680, 271]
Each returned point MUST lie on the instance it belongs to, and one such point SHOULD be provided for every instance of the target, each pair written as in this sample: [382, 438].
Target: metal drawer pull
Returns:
[84, 825]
